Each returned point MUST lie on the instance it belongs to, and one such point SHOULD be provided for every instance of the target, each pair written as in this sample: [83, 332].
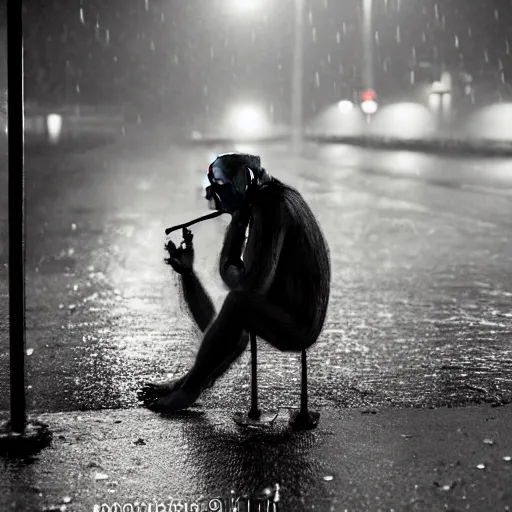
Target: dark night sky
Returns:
[195, 56]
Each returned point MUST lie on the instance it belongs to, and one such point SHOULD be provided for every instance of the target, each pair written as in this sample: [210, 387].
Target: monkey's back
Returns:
[302, 277]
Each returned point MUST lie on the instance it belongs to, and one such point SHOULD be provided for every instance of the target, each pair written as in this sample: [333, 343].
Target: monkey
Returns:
[278, 279]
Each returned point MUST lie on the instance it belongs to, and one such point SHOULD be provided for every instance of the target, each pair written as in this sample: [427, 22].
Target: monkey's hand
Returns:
[181, 259]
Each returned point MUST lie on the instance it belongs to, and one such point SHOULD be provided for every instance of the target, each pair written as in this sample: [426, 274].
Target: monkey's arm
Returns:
[231, 266]
[198, 301]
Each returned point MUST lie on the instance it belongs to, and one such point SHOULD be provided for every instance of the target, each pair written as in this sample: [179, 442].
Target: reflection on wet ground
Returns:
[421, 305]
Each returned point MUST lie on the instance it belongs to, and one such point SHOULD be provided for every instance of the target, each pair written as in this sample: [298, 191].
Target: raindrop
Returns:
[73, 227]
[338, 38]
[61, 306]
[30, 351]
[496, 14]
[456, 42]
[55, 508]
[436, 11]
[344, 28]
[507, 47]
[72, 307]
[107, 36]
[446, 488]
[317, 79]
[152, 45]
[310, 17]
[67, 499]
[507, 458]
[398, 39]
[146, 4]
[100, 476]
[377, 41]
[481, 466]
[78, 88]
[162, 17]
[412, 77]
[328, 478]
[82, 15]
[75, 287]
[176, 59]
[313, 35]
[486, 56]
[470, 32]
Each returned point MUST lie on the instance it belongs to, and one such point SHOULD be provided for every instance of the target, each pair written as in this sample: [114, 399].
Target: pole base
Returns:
[244, 420]
[15, 445]
[304, 421]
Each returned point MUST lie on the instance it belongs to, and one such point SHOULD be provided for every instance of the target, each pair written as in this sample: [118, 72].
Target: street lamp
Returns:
[298, 58]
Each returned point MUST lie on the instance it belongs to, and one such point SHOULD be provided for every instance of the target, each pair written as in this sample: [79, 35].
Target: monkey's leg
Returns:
[224, 342]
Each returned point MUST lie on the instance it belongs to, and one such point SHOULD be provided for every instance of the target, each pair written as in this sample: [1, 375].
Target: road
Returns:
[421, 306]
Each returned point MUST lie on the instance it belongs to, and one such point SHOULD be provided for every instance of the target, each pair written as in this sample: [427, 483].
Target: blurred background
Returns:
[393, 119]
[393, 68]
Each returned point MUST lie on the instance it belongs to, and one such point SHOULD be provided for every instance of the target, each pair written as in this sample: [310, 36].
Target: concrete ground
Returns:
[387, 459]
[420, 317]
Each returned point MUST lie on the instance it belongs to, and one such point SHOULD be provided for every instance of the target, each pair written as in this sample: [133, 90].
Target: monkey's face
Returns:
[228, 184]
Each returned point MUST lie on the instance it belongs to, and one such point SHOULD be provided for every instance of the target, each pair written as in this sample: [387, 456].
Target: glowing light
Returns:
[491, 122]
[369, 107]
[54, 126]
[369, 95]
[345, 106]
[247, 6]
[248, 120]
[405, 120]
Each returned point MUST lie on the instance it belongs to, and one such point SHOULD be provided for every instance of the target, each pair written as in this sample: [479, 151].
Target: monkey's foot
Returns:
[152, 390]
[177, 400]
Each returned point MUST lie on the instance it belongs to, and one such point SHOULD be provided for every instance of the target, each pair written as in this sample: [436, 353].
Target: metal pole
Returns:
[368, 44]
[16, 217]
[304, 388]
[254, 413]
[297, 78]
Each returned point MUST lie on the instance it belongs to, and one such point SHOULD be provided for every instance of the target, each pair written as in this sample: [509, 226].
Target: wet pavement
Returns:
[394, 460]
[421, 306]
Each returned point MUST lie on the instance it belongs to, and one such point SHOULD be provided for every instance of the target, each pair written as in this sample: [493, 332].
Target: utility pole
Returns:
[16, 187]
[297, 79]
[368, 45]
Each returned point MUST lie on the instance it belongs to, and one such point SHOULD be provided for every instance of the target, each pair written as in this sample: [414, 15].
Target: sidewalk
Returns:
[436, 145]
[356, 460]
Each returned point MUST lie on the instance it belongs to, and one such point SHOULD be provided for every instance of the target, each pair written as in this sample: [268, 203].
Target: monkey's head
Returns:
[231, 176]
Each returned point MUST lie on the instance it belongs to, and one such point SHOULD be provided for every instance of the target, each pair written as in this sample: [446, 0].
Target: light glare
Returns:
[54, 125]
[248, 120]
[369, 107]
[345, 106]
